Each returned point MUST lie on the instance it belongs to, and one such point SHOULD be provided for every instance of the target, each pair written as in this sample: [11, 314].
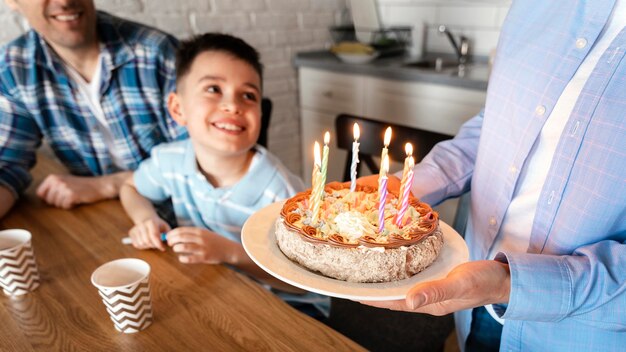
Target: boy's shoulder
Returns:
[170, 154]
[175, 147]
[281, 175]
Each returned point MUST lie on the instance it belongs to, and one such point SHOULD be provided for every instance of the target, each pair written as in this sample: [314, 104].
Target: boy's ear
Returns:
[175, 109]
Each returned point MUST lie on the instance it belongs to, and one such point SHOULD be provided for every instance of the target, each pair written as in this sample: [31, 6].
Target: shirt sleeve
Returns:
[447, 170]
[149, 180]
[166, 72]
[19, 139]
[285, 185]
[588, 285]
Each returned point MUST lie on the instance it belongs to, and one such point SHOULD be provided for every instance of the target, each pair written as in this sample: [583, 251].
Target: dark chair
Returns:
[266, 116]
[371, 141]
[373, 328]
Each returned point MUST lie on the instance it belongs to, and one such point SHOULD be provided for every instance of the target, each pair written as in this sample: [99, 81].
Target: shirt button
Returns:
[512, 169]
[492, 221]
[581, 43]
[540, 110]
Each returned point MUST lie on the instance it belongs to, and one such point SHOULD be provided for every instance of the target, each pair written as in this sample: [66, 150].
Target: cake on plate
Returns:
[345, 243]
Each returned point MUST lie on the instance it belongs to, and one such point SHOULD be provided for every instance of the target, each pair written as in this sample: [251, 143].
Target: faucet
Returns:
[460, 50]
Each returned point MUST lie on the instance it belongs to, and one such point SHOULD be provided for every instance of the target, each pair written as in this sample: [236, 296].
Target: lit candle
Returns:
[314, 199]
[382, 193]
[324, 169]
[408, 148]
[386, 141]
[404, 204]
[355, 156]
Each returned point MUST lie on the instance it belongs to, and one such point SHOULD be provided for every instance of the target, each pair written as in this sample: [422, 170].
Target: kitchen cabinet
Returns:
[325, 94]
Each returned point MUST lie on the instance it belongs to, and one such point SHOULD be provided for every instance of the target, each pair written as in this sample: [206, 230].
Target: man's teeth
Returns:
[67, 17]
[228, 126]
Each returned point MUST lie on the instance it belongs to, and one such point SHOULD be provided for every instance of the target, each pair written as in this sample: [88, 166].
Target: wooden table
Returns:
[196, 307]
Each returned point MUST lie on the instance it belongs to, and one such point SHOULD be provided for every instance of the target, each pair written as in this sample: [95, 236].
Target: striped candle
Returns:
[314, 199]
[385, 151]
[382, 193]
[408, 148]
[404, 204]
[324, 169]
[355, 156]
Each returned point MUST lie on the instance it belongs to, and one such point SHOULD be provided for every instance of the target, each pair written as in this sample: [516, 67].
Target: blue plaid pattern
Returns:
[38, 100]
[569, 290]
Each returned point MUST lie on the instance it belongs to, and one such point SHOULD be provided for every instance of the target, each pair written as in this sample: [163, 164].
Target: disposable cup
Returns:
[124, 287]
[18, 268]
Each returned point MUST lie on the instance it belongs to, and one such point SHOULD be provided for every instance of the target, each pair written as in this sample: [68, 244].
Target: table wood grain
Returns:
[196, 307]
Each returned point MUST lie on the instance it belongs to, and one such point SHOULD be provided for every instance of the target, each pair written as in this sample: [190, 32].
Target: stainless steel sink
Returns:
[436, 65]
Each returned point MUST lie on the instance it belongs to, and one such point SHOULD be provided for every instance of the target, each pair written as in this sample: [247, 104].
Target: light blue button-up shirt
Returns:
[568, 291]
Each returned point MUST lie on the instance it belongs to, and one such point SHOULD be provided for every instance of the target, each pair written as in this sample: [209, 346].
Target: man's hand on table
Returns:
[67, 191]
[469, 285]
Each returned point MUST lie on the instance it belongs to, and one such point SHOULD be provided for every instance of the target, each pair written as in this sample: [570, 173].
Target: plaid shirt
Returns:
[38, 100]
[568, 291]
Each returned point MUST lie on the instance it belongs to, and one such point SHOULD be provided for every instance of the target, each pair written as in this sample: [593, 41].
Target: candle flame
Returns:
[356, 131]
[408, 148]
[326, 138]
[317, 154]
[387, 136]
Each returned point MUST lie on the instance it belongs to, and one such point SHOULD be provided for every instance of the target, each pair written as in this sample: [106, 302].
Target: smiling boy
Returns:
[219, 177]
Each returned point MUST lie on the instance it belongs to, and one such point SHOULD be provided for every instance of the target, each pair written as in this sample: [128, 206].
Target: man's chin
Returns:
[71, 41]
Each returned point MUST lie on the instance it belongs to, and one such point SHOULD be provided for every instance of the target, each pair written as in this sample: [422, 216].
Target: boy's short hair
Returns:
[191, 48]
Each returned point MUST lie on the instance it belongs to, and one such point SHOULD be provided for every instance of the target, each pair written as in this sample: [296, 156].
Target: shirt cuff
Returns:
[15, 181]
[540, 287]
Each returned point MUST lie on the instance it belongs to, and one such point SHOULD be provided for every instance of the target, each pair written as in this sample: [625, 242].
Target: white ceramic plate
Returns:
[259, 242]
[356, 58]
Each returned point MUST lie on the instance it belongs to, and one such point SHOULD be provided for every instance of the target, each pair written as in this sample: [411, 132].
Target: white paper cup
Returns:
[125, 291]
[18, 269]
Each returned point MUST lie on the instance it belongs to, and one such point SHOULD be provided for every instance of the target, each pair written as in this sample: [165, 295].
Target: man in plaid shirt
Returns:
[91, 84]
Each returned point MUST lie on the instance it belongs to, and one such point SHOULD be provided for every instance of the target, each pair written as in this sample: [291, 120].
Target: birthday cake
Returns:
[347, 242]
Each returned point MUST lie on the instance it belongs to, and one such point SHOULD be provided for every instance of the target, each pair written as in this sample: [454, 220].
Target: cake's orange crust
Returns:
[428, 222]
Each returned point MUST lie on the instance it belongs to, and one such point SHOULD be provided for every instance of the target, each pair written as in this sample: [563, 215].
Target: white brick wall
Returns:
[277, 28]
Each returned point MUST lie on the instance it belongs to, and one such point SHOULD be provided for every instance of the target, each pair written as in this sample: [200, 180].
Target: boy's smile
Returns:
[219, 100]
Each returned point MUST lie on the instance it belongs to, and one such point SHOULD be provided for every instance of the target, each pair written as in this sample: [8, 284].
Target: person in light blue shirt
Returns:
[219, 177]
[545, 163]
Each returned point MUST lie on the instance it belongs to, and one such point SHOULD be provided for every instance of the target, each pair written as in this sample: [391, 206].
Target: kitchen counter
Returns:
[475, 77]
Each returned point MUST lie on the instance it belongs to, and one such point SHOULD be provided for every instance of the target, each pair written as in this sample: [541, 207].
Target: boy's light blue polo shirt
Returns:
[172, 172]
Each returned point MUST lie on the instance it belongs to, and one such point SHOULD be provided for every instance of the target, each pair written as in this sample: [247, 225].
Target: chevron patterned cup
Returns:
[18, 269]
[125, 291]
